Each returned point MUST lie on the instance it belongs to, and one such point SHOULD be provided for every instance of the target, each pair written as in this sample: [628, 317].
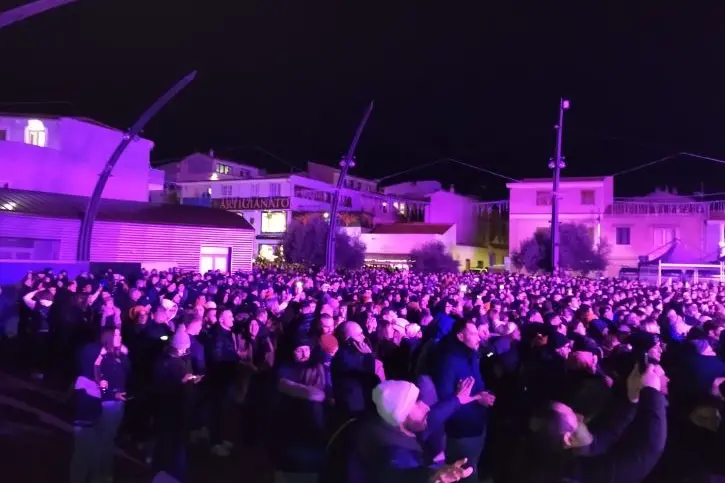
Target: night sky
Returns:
[477, 81]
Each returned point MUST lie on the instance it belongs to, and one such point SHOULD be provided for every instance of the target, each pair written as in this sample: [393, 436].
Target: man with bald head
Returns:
[355, 373]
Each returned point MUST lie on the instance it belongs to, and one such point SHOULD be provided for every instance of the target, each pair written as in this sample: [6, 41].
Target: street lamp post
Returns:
[557, 164]
[347, 162]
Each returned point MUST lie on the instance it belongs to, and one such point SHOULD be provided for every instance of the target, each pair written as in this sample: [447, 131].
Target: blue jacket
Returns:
[455, 363]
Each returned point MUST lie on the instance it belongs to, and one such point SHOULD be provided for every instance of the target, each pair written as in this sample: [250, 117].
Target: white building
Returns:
[66, 154]
[270, 202]
[49, 167]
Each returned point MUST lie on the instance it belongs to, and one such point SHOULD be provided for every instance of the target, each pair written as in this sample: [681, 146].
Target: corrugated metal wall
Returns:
[131, 242]
[25, 226]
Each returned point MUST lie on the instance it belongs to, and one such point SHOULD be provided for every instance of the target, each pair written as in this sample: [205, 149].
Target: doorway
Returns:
[214, 258]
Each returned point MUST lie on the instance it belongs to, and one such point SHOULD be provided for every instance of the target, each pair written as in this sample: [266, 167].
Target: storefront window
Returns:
[274, 222]
[267, 252]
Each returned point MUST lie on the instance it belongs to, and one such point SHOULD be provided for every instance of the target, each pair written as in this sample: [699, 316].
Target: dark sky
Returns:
[477, 80]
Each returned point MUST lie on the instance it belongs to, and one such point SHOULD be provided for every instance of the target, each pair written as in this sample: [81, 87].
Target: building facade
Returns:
[635, 229]
[270, 202]
[66, 155]
[36, 226]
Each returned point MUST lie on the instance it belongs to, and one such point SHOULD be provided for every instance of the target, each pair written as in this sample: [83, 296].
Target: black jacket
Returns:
[348, 455]
[353, 380]
[387, 455]
[626, 459]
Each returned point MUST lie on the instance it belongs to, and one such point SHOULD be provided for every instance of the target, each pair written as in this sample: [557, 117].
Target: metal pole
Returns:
[86, 229]
[22, 12]
[557, 165]
[346, 163]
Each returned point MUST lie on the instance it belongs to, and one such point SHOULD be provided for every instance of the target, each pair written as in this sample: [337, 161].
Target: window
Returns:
[255, 189]
[36, 133]
[223, 169]
[491, 259]
[29, 249]
[267, 252]
[275, 189]
[274, 222]
[588, 197]
[214, 258]
[623, 234]
[3, 135]
[226, 190]
[664, 236]
[543, 198]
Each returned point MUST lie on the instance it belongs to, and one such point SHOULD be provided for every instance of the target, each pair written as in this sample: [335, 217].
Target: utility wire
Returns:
[671, 156]
[478, 168]
[707, 158]
[414, 168]
[645, 165]
[266, 152]
[456, 161]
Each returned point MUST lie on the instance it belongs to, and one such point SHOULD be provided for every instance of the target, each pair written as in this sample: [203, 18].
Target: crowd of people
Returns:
[375, 376]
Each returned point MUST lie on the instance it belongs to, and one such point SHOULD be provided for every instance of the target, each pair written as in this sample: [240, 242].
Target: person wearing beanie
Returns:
[386, 445]
[646, 343]
[175, 389]
[299, 423]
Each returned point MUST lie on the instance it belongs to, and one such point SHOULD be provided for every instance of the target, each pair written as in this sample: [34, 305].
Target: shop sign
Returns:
[256, 203]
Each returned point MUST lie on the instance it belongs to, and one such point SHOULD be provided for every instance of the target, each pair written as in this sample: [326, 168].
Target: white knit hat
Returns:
[171, 308]
[412, 330]
[394, 400]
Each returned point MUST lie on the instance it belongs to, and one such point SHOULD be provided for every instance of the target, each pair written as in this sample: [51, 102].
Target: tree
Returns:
[433, 257]
[576, 250]
[306, 239]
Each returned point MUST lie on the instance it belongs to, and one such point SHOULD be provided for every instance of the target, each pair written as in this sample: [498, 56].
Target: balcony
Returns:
[709, 209]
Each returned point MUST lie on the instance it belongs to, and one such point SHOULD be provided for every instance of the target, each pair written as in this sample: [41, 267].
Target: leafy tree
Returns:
[576, 250]
[305, 243]
[433, 257]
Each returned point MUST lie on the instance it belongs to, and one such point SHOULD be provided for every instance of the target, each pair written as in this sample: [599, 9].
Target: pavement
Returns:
[36, 443]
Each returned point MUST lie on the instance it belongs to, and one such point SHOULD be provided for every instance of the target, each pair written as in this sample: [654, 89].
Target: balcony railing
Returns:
[666, 208]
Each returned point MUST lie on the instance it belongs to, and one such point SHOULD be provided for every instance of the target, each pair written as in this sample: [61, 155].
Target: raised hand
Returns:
[452, 473]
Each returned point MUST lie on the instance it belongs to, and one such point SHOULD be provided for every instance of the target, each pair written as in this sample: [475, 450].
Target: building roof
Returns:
[53, 205]
[411, 229]
[564, 180]
[37, 115]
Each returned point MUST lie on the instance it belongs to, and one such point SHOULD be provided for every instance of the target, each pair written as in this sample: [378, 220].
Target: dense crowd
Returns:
[377, 376]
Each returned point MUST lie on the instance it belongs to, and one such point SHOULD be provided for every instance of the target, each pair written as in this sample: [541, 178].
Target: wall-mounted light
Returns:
[214, 177]
[326, 215]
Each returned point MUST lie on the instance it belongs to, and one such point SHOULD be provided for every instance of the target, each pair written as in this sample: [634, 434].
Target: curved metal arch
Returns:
[89, 216]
